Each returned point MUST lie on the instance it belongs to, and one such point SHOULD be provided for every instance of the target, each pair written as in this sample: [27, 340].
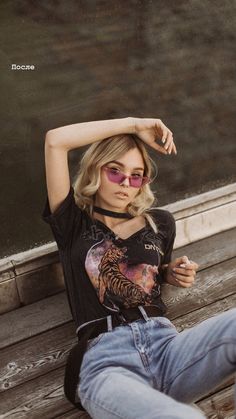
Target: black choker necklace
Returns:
[112, 213]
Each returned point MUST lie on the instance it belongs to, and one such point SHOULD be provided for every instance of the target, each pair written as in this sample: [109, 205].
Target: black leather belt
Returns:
[90, 331]
[123, 317]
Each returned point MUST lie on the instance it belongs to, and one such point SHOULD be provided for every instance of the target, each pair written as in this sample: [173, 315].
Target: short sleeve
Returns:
[170, 234]
[170, 239]
[63, 219]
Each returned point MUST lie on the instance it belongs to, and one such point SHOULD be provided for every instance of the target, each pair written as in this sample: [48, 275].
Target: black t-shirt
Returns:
[102, 272]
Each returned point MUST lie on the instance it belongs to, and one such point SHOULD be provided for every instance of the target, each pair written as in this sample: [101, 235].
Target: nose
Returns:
[125, 182]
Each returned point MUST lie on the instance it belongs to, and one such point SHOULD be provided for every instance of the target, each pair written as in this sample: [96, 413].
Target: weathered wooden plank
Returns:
[35, 356]
[219, 405]
[74, 414]
[197, 316]
[41, 283]
[204, 405]
[44, 352]
[9, 297]
[210, 285]
[211, 250]
[43, 396]
[33, 319]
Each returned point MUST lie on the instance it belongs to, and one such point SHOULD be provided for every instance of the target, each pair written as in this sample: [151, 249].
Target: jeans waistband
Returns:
[124, 316]
[92, 329]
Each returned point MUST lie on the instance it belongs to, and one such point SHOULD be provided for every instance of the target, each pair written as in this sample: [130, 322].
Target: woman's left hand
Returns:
[150, 130]
[181, 272]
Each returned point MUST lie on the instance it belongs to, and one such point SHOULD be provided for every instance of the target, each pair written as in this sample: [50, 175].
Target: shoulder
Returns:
[162, 216]
[165, 221]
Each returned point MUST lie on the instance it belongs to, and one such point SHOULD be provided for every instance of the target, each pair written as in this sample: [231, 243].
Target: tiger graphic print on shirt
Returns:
[119, 284]
[112, 280]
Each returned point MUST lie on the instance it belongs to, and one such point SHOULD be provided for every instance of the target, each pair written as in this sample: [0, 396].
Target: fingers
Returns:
[165, 133]
[184, 284]
[164, 150]
[190, 265]
[159, 148]
[174, 148]
[184, 262]
[183, 274]
[180, 281]
[184, 271]
[184, 280]
[166, 137]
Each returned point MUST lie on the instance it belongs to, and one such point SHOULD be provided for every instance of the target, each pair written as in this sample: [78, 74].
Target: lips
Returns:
[121, 193]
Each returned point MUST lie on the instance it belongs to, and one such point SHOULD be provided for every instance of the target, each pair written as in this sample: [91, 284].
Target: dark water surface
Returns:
[111, 59]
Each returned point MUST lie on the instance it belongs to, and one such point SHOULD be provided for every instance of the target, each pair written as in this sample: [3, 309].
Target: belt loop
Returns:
[143, 312]
[109, 323]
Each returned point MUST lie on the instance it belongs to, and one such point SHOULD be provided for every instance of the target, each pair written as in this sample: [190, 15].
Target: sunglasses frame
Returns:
[145, 179]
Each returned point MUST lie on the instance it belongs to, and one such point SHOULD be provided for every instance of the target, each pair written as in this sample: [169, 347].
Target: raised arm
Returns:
[59, 141]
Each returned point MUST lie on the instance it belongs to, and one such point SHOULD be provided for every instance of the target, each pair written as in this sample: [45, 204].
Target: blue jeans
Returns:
[147, 369]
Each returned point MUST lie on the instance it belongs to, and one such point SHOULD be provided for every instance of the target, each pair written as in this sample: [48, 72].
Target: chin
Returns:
[121, 206]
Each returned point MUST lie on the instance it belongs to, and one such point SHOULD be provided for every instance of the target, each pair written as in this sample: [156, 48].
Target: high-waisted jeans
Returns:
[147, 369]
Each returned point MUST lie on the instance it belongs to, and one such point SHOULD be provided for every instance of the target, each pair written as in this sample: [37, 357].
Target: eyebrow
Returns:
[121, 164]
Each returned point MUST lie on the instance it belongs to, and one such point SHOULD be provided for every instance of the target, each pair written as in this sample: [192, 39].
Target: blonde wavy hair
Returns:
[87, 180]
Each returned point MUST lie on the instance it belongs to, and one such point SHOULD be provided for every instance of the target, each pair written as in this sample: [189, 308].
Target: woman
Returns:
[115, 250]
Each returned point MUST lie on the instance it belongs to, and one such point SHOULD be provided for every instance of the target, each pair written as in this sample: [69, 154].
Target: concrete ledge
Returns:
[204, 215]
[203, 202]
[204, 224]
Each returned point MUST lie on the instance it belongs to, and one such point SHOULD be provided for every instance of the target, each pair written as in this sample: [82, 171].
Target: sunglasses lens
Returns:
[118, 177]
[136, 182]
[146, 180]
[115, 177]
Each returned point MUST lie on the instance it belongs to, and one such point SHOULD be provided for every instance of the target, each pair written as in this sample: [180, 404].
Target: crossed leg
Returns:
[117, 392]
[201, 358]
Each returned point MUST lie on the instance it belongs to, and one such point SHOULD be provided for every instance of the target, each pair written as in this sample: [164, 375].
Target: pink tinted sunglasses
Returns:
[136, 181]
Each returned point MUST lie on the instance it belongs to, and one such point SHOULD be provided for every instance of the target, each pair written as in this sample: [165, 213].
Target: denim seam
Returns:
[105, 408]
[207, 350]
